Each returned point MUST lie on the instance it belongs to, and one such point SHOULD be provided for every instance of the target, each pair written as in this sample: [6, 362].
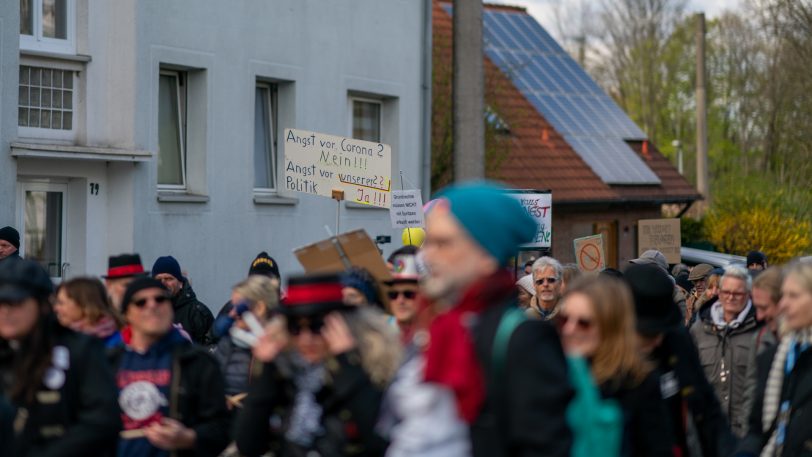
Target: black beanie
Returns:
[11, 235]
[265, 265]
[138, 285]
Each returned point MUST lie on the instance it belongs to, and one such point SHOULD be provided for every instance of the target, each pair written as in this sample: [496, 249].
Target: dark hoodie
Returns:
[192, 314]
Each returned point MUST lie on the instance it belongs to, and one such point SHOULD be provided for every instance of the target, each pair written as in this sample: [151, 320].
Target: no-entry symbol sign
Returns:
[589, 254]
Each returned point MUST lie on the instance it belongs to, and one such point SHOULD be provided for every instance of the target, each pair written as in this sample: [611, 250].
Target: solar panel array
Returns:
[591, 122]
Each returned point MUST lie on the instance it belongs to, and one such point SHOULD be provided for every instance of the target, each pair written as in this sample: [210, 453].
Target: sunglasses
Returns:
[581, 323]
[541, 281]
[314, 324]
[407, 294]
[158, 299]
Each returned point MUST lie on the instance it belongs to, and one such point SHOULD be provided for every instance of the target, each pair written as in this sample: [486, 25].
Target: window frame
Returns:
[51, 133]
[37, 42]
[272, 104]
[381, 107]
[182, 85]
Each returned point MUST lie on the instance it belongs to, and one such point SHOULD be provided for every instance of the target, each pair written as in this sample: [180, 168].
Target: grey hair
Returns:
[738, 272]
[548, 262]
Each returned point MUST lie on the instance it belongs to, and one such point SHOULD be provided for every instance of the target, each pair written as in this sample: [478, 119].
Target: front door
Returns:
[44, 225]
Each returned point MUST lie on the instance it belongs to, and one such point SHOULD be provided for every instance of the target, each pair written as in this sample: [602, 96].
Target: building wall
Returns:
[9, 57]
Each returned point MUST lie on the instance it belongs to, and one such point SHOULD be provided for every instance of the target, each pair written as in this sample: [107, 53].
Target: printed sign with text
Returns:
[539, 206]
[317, 164]
[407, 209]
[662, 235]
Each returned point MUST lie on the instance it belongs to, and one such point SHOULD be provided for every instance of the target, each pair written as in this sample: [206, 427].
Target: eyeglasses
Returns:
[314, 324]
[541, 281]
[158, 299]
[407, 294]
[732, 294]
[581, 323]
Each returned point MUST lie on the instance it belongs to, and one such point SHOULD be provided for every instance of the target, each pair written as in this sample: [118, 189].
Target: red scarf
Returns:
[450, 356]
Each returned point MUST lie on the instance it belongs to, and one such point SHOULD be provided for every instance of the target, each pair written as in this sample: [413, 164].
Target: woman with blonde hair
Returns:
[597, 322]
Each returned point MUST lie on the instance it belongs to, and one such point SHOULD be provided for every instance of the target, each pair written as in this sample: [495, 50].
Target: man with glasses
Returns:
[547, 274]
[402, 291]
[171, 392]
[724, 336]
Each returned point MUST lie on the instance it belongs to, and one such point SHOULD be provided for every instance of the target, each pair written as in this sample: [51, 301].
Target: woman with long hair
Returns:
[57, 380]
[82, 305]
[326, 365]
[597, 322]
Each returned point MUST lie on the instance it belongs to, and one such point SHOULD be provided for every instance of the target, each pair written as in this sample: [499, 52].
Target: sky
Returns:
[544, 10]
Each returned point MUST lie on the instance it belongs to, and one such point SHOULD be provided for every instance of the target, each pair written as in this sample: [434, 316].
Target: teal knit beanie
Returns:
[493, 218]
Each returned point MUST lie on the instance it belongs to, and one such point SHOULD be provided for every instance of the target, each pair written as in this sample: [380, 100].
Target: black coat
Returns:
[524, 415]
[798, 390]
[80, 417]
[350, 404]
[199, 401]
[6, 429]
[677, 355]
[192, 314]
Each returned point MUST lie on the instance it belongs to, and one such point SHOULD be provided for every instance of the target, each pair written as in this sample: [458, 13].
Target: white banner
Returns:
[407, 209]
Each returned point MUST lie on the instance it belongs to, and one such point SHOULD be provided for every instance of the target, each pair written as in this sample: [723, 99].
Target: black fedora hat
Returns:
[313, 294]
[653, 293]
[124, 266]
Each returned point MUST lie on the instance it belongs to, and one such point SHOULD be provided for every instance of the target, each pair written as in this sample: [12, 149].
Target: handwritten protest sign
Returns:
[539, 206]
[662, 235]
[407, 209]
[589, 253]
[317, 164]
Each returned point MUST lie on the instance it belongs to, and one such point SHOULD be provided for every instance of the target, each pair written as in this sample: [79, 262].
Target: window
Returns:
[172, 130]
[47, 25]
[366, 119]
[265, 128]
[46, 98]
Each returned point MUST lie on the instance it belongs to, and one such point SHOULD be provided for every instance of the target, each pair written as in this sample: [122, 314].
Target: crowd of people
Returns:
[450, 354]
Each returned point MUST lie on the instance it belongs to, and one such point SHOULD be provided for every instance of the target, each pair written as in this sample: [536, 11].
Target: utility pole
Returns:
[701, 118]
[468, 91]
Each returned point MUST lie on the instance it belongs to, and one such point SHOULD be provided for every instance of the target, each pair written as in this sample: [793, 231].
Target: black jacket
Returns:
[524, 415]
[677, 356]
[6, 429]
[192, 314]
[350, 405]
[798, 390]
[78, 417]
[199, 400]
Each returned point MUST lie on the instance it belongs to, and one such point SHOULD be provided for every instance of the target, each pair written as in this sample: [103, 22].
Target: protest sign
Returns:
[539, 205]
[317, 164]
[662, 235]
[338, 253]
[407, 209]
[589, 253]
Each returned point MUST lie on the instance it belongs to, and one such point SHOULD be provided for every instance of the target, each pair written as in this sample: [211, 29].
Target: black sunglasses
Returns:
[314, 324]
[408, 294]
[159, 299]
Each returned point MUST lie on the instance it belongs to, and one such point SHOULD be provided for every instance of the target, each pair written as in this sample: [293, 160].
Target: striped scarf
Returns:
[775, 383]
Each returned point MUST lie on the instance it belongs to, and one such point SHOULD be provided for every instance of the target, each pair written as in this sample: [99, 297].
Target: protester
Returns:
[597, 322]
[657, 258]
[402, 291]
[170, 391]
[361, 288]
[528, 266]
[511, 385]
[57, 380]
[9, 243]
[679, 269]
[189, 312]
[766, 295]
[403, 250]
[756, 262]
[547, 276]
[320, 393]
[121, 271]
[569, 273]
[82, 305]
[780, 418]
[526, 291]
[699, 278]
[699, 426]
[724, 337]
[263, 265]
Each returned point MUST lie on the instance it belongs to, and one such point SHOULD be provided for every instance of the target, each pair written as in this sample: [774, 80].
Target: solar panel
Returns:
[561, 91]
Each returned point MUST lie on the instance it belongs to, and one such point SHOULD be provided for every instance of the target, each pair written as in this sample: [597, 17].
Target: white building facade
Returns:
[155, 126]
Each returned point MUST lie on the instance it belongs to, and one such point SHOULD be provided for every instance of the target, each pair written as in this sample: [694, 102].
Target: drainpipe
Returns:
[426, 84]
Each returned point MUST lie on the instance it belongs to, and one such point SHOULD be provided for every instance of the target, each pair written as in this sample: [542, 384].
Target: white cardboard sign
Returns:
[317, 164]
[407, 209]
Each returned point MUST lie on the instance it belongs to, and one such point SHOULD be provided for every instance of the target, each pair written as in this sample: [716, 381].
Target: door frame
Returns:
[41, 185]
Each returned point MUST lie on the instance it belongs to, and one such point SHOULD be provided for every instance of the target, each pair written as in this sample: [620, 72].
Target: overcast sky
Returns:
[544, 10]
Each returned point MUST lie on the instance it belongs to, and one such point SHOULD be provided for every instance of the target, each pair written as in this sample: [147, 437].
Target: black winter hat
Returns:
[313, 294]
[142, 283]
[265, 265]
[23, 279]
[11, 235]
[653, 293]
